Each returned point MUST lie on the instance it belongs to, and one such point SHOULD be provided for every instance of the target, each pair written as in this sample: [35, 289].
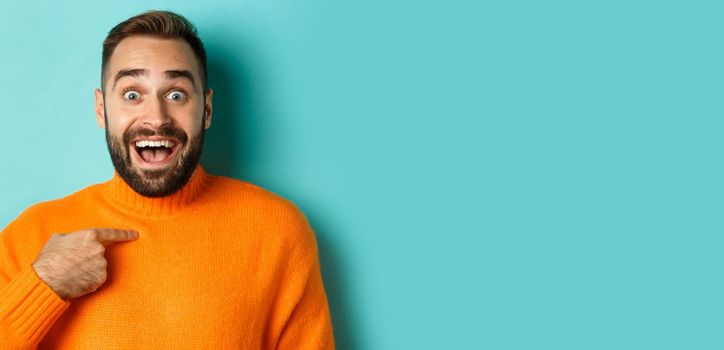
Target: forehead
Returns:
[155, 54]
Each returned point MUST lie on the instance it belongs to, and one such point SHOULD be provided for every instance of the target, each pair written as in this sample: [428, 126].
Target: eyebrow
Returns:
[170, 74]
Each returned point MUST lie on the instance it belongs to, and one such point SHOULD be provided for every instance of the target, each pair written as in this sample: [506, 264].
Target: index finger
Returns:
[110, 235]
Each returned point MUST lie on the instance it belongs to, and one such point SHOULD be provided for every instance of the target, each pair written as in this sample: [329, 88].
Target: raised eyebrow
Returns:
[181, 73]
[133, 72]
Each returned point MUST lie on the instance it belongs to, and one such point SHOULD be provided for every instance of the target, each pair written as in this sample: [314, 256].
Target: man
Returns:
[163, 255]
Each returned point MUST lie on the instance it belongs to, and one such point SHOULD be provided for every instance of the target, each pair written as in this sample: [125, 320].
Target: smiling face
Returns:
[155, 112]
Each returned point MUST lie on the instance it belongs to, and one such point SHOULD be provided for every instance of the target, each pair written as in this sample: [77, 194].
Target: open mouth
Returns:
[154, 153]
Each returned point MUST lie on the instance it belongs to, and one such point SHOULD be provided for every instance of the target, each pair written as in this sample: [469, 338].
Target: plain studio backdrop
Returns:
[480, 174]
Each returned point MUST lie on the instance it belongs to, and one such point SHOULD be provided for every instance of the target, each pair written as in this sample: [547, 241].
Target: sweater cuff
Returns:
[29, 307]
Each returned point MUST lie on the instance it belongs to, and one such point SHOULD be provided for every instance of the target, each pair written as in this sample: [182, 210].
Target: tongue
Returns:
[154, 155]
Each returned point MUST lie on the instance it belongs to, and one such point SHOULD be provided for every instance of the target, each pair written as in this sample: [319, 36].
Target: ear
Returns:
[100, 110]
[208, 108]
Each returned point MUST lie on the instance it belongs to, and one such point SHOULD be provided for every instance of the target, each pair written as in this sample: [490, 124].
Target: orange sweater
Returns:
[221, 264]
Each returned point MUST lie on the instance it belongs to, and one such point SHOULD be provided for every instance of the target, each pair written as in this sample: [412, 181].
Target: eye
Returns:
[131, 95]
[176, 95]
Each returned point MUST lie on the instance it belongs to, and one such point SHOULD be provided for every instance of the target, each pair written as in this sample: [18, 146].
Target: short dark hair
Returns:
[160, 24]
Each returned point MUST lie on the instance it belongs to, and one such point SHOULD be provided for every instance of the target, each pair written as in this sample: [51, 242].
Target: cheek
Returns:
[116, 126]
[117, 136]
[120, 115]
[189, 118]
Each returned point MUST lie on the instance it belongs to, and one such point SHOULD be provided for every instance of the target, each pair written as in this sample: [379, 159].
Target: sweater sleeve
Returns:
[309, 324]
[28, 307]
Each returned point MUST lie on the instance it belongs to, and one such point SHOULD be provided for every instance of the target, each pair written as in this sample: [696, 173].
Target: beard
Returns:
[159, 182]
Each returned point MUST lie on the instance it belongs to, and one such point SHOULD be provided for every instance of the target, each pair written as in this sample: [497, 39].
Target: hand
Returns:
[74, 264]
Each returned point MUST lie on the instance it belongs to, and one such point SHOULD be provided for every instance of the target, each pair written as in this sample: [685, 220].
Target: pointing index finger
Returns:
[110, 235]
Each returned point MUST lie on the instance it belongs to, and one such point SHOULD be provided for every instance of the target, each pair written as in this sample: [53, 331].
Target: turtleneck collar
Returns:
[123, 196]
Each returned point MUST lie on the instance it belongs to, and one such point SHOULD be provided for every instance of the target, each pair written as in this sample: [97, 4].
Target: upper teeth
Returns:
[164, 143]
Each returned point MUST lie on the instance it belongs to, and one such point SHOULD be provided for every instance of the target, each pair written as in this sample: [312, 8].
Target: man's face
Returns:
[155, 112]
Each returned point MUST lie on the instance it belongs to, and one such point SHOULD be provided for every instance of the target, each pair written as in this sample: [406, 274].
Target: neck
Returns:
[124, 197]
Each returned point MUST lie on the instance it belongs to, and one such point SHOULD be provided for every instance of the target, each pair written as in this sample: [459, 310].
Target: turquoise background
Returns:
[481, 175]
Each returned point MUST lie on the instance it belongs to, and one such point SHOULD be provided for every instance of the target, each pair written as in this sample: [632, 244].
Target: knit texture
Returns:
[221, 264]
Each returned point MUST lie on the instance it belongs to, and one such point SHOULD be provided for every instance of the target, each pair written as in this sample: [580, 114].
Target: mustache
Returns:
[166, 131]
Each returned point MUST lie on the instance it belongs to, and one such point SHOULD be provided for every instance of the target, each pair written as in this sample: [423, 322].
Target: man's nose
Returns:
[156, 114]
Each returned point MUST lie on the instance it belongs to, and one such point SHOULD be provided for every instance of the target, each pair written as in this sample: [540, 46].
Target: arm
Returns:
[308, 324]
[28, 307]
[35, 287]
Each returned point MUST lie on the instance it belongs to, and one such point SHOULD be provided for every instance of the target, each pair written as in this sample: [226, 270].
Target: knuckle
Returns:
[94, 251]
[102, 277]
[92, 234]
[91, 288]
[54, 237]
[92, 282]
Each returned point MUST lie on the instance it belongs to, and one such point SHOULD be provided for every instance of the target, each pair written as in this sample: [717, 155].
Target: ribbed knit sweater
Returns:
[220, 264]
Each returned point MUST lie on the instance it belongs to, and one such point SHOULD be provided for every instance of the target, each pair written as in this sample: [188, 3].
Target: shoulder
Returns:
[47, 214]
[253, 196]
[279, 214]
[61, 205]
[34, 215]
